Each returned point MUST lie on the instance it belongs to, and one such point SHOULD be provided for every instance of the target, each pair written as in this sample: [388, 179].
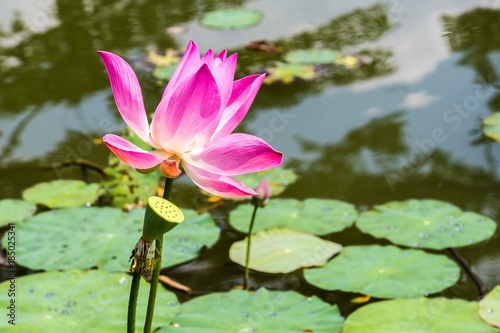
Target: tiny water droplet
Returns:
[416, 245]
[423, 236]
[441, 229]
[426, 294]
[176, 325]
[49, 295]
[458, 229]
[451, 234]
[88, 204]
[65, 312]
[122, 280]
[70, 304]
[451, 217]
[489, 310]
[327, 209]
[309, 298]
[172, 303]
[31, 290]
[245, 315]
[254, 329]
[346, 214]
[389, 227]
[479, 220]
[271, 314]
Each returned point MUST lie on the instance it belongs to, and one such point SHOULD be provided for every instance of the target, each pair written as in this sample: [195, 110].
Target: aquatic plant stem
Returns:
[156, 272]
[465, 266]
[132, 301]
[249, 244]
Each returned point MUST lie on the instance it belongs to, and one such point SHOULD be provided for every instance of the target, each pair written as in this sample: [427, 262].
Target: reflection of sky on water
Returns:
[426, 83]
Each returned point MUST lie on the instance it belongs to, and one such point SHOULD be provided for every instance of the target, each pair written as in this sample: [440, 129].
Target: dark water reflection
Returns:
[354, 135]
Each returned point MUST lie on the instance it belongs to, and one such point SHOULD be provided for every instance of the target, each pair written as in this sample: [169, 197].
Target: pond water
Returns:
[407, 126]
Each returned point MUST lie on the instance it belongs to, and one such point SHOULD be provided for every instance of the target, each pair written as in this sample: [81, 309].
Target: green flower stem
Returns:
[132, 302]
[156, 272]
[249, 243]
[465, 266]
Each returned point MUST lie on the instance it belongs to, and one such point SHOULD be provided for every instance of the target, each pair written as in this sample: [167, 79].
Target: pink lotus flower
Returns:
[192, 125]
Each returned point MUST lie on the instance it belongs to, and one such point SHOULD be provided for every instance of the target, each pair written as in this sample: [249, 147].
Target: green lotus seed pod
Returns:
[161, 216]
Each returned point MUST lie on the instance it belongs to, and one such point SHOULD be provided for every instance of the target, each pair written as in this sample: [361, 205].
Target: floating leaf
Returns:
[287, 73]
[429, 224]
[229, 19]
[15, 210]
[262, 311]
[422, 315]
[313, 56]
[491, 126]
[316, 216]
[279, 178]
[164, 73]
[347, 61]
[62, 193]
[385, 272]
[489, 307]
[283, 250]
[76, 301]
[80, 238]
[170, 58]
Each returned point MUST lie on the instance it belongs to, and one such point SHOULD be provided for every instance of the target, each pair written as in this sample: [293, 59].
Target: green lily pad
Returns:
[262, 311]
[76, 301]
[80, 238]
[316, 216]
[164, 73]
[288, 73]
[385, 272]
[429, 224]
[62, 193]
[313, 56]
[491, 126]
[229, 19]
[422, 315]
[489, 307]
[279, 178]
[15, 210]
[283, 250]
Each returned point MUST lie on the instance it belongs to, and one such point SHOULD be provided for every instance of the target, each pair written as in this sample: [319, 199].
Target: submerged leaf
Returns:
[287, 73]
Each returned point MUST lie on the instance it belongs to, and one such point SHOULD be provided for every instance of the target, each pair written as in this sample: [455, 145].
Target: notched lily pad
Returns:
[489, 307]
[262, 311]
[385, 272]
[76, 301]
[229, 19]
[63, 193]
[313, 56]
[81, 238]
[422, 315]
[430, 224]
[279, 178]
[283, 250]
[491, 126]
[287, 73]
[15, 210]
[316, 216]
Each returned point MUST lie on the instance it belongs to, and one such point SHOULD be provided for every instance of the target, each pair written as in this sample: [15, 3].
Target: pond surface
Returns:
[407, 126]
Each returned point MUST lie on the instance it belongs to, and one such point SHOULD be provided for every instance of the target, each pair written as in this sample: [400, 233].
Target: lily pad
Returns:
[313, 56]
[15, 210]
[489, 307]
[279, 178]
[348, 61]
[164, 73]
[422, 315]
[229, 19]
[81, 238]
[288, 73]
[62, 193]
[491, 126]
[262, 311]
[429, 224]
[283, 250]
[316, 216]
[76, 301]
[385, 272]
